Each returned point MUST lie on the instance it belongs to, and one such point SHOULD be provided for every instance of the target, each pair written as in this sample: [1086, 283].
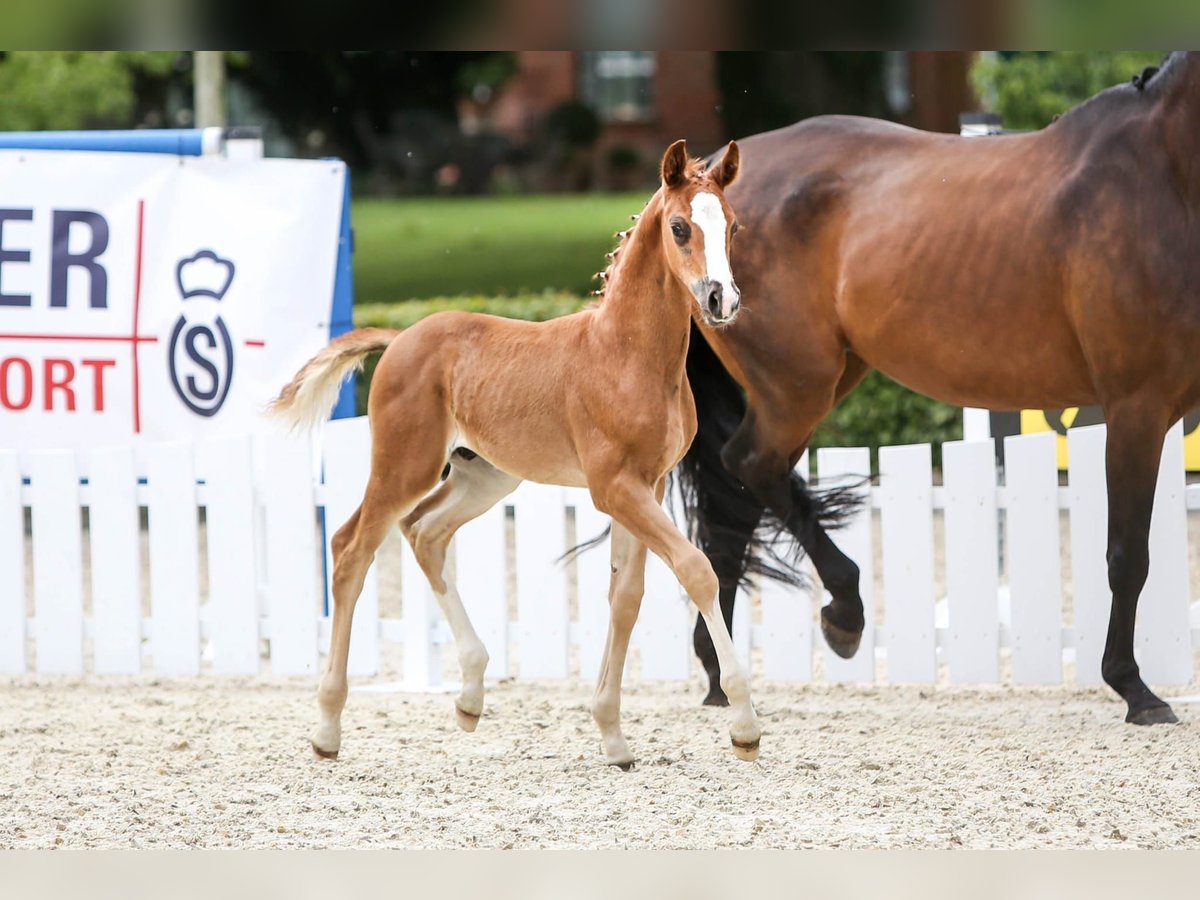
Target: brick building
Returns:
[646, 99]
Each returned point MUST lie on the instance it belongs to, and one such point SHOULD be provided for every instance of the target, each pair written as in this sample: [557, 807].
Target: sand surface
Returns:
[225, 763]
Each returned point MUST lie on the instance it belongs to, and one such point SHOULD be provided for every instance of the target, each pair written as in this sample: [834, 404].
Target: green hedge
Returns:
[880, 412]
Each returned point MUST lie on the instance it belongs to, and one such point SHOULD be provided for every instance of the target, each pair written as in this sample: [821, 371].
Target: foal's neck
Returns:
[644, 306]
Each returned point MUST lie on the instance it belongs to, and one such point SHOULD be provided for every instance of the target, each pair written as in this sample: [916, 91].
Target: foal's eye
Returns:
[733, 229]
[680, 230]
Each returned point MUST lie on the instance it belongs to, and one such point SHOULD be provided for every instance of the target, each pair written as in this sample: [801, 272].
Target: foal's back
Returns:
[503, 388]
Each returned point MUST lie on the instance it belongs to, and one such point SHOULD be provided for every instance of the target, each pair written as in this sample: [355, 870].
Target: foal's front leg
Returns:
[632, 503]
[624, 600]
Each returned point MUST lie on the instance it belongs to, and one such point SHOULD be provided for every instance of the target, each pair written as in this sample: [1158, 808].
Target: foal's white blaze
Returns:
[710, 218]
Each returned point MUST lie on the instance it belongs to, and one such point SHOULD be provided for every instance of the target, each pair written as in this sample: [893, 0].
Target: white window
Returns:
[617, 84]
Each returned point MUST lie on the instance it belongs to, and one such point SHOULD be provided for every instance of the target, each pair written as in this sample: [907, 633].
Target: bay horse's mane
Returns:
[1150, 82]
[697, 169]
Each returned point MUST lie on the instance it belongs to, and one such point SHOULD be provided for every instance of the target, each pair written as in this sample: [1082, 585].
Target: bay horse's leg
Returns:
[633, 505]
[473, 487]
[1135, 438]
[624, 601]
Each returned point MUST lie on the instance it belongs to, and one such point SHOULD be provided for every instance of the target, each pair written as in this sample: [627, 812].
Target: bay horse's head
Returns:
[697, 227]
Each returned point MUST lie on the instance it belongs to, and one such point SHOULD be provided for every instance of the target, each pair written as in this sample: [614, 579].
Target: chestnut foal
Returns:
[597, 399]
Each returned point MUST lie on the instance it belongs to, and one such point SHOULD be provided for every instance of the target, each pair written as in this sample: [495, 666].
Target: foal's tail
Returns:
[308, 398]
[722, 516]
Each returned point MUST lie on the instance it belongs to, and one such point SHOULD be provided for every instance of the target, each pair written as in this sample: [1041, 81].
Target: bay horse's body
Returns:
[597, 399]
[1051, 269]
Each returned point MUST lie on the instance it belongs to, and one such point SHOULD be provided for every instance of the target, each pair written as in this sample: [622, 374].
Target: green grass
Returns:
[438, 247]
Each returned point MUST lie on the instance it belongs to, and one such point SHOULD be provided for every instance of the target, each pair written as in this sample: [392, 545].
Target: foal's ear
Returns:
[726, 168]
[674, 165]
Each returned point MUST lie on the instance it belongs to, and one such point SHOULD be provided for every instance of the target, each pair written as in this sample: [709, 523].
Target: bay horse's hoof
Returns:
[747, 750]
[466, 721]
[1152, 715]
[716, 697]
[323, 754]
[841, 641]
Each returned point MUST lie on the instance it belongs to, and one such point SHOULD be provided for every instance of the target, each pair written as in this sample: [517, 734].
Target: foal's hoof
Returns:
[1152, 715]
[747, 750]
[840, 640]
[466, 721]
[716, 697]
[323, 754]
[625, 765]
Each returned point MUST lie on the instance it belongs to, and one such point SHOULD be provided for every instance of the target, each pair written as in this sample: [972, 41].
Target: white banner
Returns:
[147, 297]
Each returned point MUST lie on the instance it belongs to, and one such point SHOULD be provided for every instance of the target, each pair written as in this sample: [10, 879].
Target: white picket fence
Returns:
[87, 605]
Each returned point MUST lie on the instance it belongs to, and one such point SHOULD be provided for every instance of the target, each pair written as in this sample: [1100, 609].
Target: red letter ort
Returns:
[26, 373]
[98, 366]
[60, 383]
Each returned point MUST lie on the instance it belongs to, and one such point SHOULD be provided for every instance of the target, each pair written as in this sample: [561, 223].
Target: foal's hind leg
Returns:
[624, 601]
[390, 494]
[473, 487]
[633, 505]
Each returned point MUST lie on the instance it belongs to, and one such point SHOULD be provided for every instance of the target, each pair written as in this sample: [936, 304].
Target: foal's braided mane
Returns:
[695, 169]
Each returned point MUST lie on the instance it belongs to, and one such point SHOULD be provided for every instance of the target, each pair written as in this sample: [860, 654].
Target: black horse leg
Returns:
[726, 549]
[842, 620]
[1132, 459]
[805, 514]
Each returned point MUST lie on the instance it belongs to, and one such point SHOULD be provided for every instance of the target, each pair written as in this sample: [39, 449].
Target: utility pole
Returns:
[208, 70]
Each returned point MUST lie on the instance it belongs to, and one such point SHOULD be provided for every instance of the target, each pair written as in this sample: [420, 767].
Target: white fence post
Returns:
[906, 493]
[116, 562]
[12, 567]
[174, 559]
[347, 446]
[1091, 597]
[226, 466]
[972, 561]
[1031, 469]
[1162, 633]
[838, 465]
[787, 623]
[541, 581]
[291, 552]
[57, 562]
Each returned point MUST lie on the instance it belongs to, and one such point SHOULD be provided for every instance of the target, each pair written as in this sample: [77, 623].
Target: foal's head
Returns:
[697, 227]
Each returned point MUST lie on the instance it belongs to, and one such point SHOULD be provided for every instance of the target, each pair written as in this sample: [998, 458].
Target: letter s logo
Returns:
[201, 364]
[200, 354]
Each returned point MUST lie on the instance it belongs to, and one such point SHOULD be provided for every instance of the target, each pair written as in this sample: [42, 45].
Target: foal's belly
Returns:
[548, 460]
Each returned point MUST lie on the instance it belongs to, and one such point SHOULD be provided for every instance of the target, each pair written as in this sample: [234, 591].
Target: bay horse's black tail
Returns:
[721, 513]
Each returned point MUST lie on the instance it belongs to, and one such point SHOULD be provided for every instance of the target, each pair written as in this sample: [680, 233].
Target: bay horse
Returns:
[1043, 270]
[597, 399]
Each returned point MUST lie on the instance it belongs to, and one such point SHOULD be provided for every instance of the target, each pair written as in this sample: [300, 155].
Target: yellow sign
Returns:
[1060, 420]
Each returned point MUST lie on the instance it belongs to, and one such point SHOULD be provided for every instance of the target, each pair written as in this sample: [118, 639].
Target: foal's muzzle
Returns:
[718, 303]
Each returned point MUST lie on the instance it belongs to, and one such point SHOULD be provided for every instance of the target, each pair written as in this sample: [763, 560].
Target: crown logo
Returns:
[204, 275]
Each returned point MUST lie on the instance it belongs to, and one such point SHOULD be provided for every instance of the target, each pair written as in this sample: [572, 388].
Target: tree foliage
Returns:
[64, 90]
[1030, 89]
